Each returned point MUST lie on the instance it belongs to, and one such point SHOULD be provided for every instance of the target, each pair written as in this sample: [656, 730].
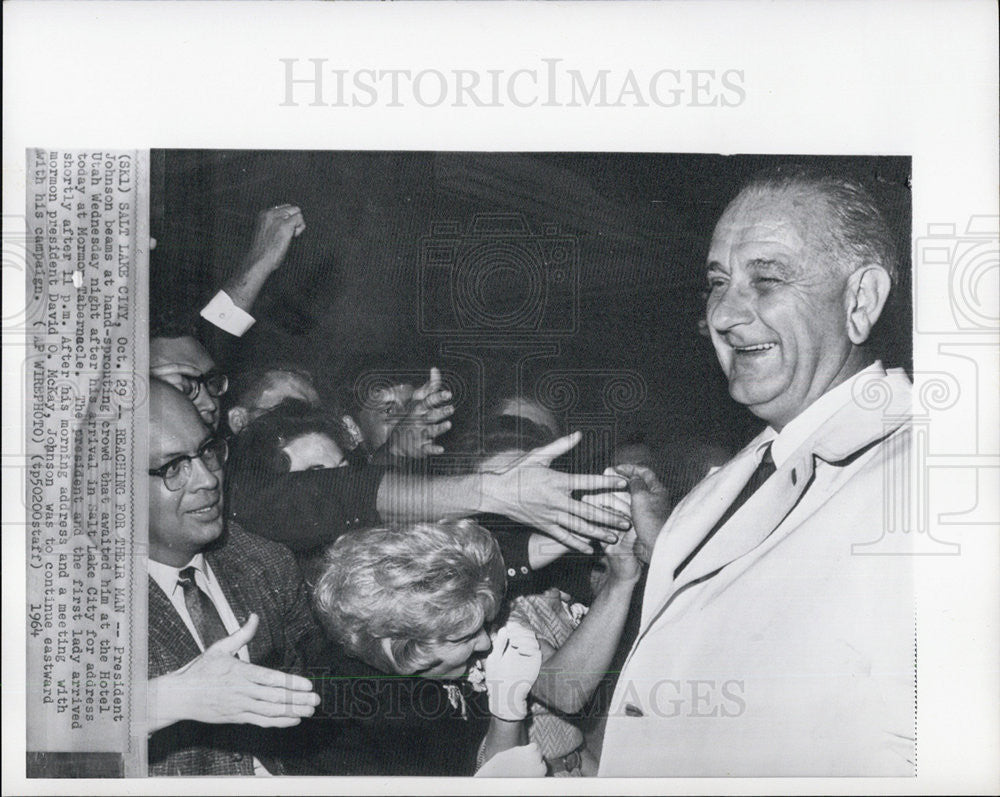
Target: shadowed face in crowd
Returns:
[522, 407]
[778, 303]
[382, 411]
[180, 361]
[278, 386]
[184, 521]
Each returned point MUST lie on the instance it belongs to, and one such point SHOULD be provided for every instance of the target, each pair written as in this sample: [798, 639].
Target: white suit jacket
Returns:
[782, 649]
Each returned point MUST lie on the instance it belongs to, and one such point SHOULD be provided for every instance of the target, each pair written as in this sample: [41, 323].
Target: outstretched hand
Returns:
[424, 419]
[529, 491]
[650, 506]
[218, 687]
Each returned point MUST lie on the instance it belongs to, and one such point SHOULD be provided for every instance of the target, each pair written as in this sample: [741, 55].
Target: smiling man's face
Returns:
[777, 304]
[181, 522]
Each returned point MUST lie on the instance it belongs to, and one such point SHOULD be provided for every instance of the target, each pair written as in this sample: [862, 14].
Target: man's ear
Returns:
[865, 297]
[238, 418]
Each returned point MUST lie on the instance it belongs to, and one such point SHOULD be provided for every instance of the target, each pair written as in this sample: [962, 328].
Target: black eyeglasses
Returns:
[215, 382]
[177, 472]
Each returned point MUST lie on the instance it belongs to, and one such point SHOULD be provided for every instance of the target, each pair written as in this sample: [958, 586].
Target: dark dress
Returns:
[373, 723]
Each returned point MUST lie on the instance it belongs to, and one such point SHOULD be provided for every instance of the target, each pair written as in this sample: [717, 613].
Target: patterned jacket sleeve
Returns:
[304, 639]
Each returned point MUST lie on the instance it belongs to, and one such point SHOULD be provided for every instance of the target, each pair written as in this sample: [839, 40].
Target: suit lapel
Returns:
[240, 588]
[694, 518]
[753, 522]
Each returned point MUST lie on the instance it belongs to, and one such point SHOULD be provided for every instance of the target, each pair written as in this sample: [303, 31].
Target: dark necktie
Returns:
[757, 478]
[203, 613]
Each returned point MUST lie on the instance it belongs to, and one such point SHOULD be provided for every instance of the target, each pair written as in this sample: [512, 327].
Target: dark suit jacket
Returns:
[258, 576]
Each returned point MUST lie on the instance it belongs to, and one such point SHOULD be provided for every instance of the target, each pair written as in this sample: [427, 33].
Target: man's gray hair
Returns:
[859, 231]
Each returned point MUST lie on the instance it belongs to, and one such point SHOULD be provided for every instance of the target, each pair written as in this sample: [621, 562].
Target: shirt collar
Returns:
[167, 576]
[806, 423]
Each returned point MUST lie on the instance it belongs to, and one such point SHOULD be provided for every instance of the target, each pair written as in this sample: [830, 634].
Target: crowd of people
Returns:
[324, 601]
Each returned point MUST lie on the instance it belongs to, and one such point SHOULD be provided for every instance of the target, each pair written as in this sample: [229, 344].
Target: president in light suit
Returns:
[771, 642]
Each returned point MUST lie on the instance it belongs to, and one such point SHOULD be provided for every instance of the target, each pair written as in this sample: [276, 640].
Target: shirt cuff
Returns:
[222, 312]
[513, 542]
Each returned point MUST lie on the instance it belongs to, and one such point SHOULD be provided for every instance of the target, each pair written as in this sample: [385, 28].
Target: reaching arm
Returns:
[502, 735]
[230, 309]
[308, 508]
[570, 675]
[425, 418]
[271, 238]
[527, 491]
[514, 762]
[650, 506]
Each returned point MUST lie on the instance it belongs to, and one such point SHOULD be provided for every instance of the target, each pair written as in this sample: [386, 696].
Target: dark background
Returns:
[636, 229]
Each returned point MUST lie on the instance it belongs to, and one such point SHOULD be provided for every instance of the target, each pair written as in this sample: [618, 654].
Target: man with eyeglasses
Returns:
[229, 618]
[176, 357]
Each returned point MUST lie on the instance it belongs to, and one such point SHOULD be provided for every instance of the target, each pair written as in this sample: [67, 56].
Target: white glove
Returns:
[515, 762]
[511, 670]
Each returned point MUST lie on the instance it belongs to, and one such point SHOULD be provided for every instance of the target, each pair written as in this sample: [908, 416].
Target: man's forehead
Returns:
[174, 425]
[401, 391]
[314, 441]
[180, 351]
[781, 219]
[281, 385]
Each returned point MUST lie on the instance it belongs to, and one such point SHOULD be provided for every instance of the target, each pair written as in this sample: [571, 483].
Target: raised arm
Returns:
[425, 418]
[570, 675]
[276, 227]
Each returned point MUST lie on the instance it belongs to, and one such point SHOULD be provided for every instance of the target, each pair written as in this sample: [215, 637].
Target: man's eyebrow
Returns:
[763, 263]
[178, 368]
[174, 454]
[714, 265]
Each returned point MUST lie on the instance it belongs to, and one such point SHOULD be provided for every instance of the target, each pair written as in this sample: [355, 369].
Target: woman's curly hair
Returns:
[414, 585]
